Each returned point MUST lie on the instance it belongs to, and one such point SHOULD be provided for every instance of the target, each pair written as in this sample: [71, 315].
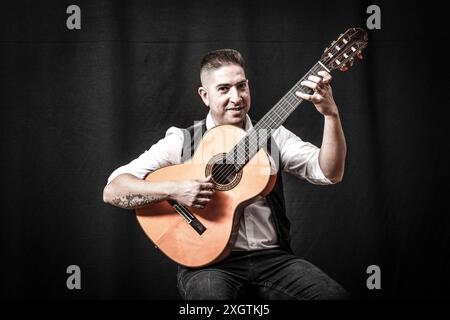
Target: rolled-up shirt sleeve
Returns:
[165, 152]
[299, 158]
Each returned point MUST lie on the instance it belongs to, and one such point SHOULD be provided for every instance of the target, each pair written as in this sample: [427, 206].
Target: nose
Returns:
[235, 96]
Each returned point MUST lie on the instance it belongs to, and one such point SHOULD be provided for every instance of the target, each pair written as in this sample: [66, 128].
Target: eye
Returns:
[242, 86]
[223, 89]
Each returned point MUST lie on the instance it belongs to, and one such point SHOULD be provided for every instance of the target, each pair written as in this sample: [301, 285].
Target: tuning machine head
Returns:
[360, 55]
[343, 68]
[347, 65]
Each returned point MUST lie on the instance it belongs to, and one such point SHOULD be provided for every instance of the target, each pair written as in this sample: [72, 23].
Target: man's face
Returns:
[226, 92]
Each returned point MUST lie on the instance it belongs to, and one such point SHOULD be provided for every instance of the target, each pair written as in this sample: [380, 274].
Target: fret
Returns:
[253, 141]
[337, 56]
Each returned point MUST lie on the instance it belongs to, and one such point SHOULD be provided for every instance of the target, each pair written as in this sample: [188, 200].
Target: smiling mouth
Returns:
[235, 109]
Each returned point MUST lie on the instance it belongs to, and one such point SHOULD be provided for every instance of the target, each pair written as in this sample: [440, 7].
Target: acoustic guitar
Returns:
[240, 169]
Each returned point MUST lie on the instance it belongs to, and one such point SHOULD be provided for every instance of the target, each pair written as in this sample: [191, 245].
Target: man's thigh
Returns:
[289, 277]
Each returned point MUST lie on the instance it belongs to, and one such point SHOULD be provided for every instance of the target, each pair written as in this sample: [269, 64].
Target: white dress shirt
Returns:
[256, 230]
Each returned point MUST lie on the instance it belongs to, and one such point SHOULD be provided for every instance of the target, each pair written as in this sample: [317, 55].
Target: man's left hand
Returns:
[322, 97]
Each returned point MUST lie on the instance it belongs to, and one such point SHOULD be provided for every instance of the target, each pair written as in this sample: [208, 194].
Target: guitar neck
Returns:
[288, 103]
[257, 137]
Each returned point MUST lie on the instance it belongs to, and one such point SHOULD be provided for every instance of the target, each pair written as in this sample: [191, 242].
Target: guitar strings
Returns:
[291, 99]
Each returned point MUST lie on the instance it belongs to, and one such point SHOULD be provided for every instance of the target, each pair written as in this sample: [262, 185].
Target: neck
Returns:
[242, 124]
[258, 136]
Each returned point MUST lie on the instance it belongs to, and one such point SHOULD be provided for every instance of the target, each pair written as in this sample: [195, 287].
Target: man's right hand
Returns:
[193, 193]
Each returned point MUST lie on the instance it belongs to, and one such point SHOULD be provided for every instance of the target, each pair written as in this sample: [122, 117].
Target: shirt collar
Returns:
[211, 124]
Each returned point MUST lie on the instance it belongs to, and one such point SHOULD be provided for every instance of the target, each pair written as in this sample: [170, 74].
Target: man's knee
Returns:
[208, 286]
[309, 282]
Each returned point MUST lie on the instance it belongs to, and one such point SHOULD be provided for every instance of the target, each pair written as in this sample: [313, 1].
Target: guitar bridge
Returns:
[188, 217]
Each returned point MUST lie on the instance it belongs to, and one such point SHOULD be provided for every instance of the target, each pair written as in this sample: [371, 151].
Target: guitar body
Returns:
[173, 235]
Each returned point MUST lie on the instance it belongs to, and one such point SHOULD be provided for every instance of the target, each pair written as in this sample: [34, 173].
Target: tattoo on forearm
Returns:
[134, 201]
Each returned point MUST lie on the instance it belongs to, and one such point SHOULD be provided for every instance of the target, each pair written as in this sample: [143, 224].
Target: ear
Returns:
[204, 95]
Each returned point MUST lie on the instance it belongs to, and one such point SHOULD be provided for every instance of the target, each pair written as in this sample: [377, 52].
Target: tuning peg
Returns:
[359, 55]
[351, 62]
[343, 68]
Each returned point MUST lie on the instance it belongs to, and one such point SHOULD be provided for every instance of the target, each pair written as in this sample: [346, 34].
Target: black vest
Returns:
[275, 199]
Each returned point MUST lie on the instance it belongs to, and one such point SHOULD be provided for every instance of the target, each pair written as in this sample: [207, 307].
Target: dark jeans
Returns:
[275, 273]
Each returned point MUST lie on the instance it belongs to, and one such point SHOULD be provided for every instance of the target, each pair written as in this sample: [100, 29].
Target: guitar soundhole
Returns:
[223, 174]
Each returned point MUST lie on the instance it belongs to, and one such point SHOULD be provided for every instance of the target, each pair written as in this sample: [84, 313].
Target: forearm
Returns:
[333, 150]
[128, 192]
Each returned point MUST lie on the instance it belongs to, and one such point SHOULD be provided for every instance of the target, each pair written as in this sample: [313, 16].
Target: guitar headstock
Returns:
[341, 53]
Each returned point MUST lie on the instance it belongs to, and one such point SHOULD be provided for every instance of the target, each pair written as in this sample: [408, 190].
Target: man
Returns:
[262, 255]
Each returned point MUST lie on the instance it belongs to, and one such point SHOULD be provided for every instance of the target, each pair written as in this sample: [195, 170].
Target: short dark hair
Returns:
[222, 57]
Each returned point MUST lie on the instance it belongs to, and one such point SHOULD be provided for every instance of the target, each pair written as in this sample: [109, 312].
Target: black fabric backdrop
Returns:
[77, 104]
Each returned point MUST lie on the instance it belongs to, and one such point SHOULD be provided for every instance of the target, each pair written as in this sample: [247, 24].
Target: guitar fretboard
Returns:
[257, 137]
